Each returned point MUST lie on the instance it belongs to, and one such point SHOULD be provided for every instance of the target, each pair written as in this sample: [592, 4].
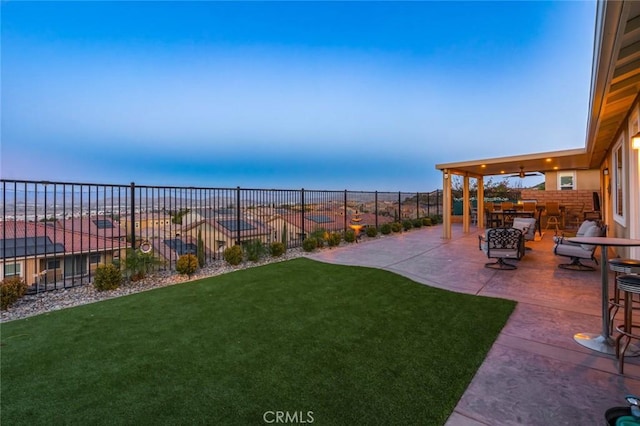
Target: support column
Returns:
[466, 210]
[446, 204]
[480, 202]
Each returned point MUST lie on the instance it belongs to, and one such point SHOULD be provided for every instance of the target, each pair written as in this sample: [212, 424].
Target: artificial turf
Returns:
[351, 345]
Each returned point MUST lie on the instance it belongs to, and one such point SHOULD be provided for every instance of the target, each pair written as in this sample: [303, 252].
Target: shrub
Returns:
[321, 236]
[417, 223]
[385, 229]
[277, 249]
[137, 264]
[426, 221]
[309, 244]
[372, 231]
[187, 264]
[233, 255]
[396, 227]
[436, 218]
[255, 250]
[11, 289]
[107, 277]
[407, 224]
[350, 236]
[334, 239]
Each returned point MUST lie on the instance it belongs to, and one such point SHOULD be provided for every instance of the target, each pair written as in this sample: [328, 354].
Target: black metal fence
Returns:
[55, 234]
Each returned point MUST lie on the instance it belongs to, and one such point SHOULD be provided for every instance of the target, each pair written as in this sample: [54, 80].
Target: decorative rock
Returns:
[48, 301]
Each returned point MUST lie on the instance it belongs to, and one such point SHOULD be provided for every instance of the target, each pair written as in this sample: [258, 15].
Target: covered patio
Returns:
[535, 373]
[612, 141]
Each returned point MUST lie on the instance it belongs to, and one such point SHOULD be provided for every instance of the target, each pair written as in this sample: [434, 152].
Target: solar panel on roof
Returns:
[103, 224]
[319, 218]
[232, 225]
[28, 246]
[180, 247]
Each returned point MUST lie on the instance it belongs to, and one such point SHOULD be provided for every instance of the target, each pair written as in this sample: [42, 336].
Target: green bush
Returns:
[372, 231]
[417, 223]
[233, 255]
[11, 289]
[385, 229]
[426, 221]
[334, 239]
[137, 264]
[107, 277]
[350, 236]
[436, 218]
[407, 224]
[396, 227]
[255, 250]
[187, 264]
[321, 236]
[277, 249]
[309, 244]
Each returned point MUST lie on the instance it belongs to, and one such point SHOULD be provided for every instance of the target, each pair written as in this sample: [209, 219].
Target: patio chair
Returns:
[577, 252]
[554, 214]
[528, 227]
[501, 244]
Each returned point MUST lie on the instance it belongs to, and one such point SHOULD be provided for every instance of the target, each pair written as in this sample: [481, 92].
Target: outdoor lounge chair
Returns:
[501, 244]
[528, 227]
[576, 252]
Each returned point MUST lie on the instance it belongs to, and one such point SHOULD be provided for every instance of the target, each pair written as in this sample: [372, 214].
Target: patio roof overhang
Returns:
[540, 162]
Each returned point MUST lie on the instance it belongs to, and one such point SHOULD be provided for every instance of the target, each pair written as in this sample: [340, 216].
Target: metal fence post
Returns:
[133, 216]
[238, 216]
[417, 205]
[345, 209]
[399, 207]
[302, 213]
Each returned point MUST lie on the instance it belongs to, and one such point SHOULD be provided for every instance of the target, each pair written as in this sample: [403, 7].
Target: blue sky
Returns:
[328, 95]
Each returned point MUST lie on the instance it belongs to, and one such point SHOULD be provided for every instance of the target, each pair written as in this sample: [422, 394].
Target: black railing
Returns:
[54, 234]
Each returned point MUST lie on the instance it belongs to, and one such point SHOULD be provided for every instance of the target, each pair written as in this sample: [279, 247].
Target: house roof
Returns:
[101, 226]
[37, 238]
[615, 84]
[227, 225]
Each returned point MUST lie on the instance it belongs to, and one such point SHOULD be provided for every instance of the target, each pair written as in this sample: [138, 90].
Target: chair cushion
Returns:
[527, 225]
[593, 231]
[571, 250]
[583, 227]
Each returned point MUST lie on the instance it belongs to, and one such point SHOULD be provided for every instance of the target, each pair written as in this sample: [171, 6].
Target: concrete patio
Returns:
[535, 373]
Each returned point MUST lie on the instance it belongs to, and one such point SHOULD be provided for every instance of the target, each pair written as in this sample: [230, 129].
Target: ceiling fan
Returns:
[522, 174]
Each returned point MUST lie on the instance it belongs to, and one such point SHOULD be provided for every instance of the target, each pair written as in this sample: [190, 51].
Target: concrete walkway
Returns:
[535, 373]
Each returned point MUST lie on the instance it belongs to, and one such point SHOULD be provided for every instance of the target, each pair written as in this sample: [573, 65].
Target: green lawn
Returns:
[352, 345]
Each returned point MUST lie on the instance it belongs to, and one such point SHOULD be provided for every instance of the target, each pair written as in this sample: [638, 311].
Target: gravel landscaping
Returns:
[48, 301]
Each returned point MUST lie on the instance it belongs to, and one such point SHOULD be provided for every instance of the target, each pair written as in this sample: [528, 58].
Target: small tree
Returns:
[200, 249]
[284, 235]
[138, 264]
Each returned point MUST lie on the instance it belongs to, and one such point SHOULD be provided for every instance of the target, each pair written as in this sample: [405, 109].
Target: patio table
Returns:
[504, 214]
[602, 342]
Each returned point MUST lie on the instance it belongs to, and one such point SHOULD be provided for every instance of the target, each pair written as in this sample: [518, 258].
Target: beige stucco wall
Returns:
[585, 179]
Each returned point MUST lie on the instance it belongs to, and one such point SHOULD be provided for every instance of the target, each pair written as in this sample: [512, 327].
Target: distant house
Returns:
[149, 225]
[170, 249]
[221, 232]
[44, 253]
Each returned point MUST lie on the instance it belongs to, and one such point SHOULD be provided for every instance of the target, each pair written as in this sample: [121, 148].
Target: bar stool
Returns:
[620, 266]
[629, 285]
